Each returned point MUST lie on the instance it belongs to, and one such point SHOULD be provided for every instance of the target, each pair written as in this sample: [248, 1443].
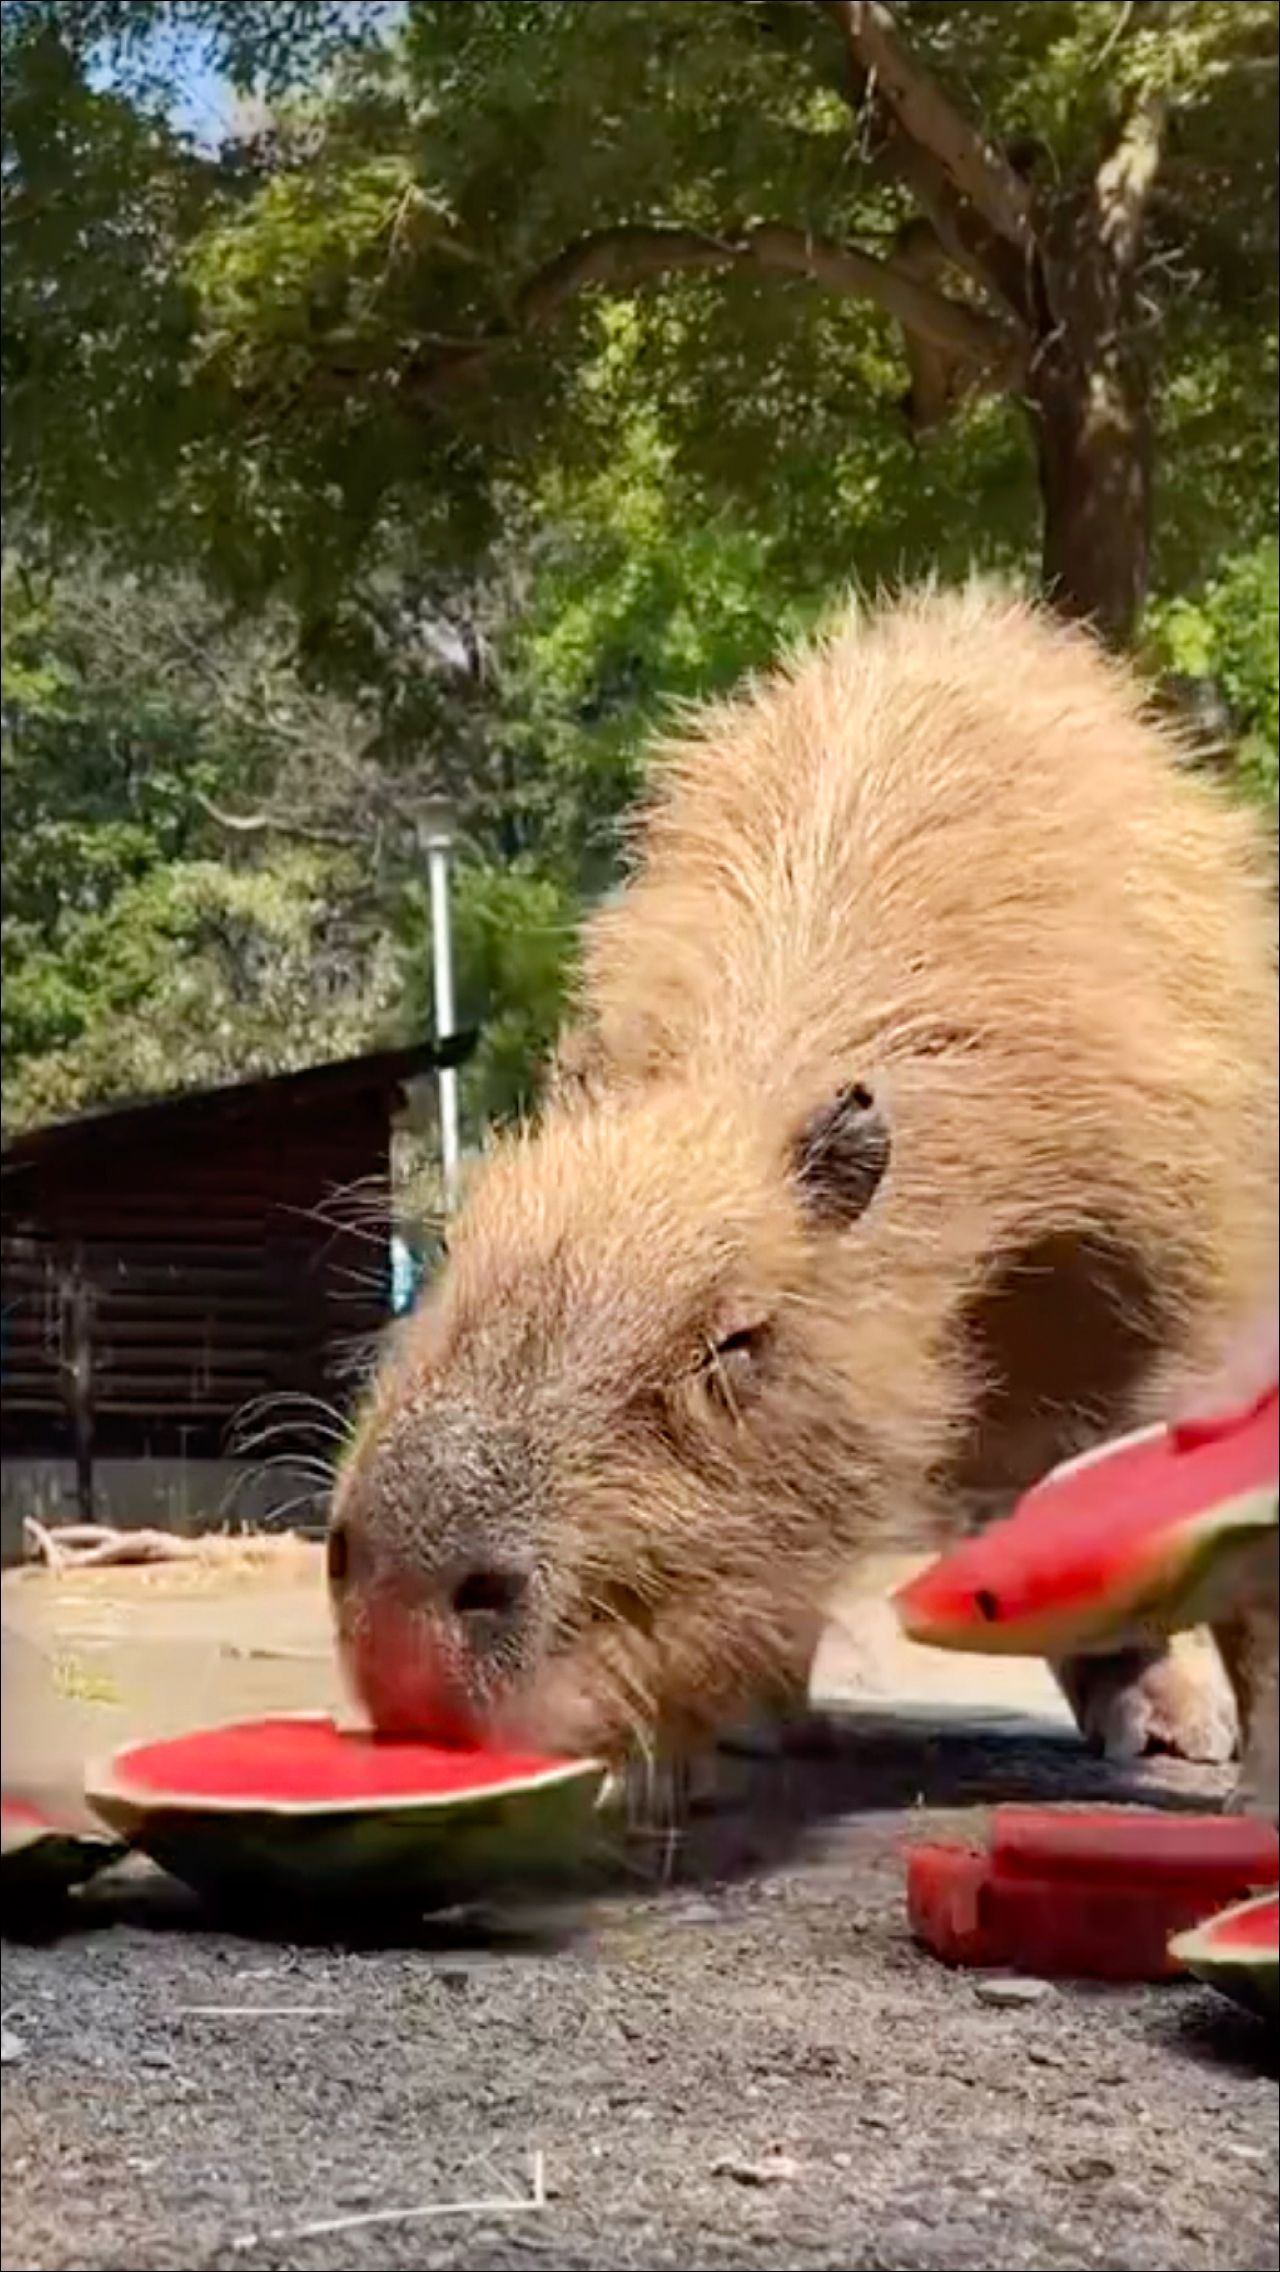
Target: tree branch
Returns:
[632, 255]
[1125, 180]
[938, 378]
[952, 325]
[262, 824]
[617, 257]
[928, 121]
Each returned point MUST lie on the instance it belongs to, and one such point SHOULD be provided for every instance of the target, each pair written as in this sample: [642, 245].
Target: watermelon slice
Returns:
[1160, 1531]
[1238, 1951]
[296, 1809]
[45, 1853]
[1084, 1893]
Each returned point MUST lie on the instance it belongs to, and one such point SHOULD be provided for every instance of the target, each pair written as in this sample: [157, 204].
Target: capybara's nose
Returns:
[420, 1641]
[489, 1595]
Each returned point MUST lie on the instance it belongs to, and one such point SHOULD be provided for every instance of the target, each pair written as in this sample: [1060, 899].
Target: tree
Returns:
[213, 868]
[391, 300]
[136, 954]
[504, 375]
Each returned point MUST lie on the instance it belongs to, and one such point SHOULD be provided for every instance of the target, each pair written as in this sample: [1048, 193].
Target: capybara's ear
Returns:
[840, 1155]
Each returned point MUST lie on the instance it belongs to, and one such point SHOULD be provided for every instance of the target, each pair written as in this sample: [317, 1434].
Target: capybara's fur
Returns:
[919, 1124]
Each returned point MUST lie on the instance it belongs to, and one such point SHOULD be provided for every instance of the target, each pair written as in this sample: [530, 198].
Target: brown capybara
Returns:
[918, 1126]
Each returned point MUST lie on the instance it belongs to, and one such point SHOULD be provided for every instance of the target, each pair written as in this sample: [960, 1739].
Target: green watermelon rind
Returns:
[1186, 1575]
[39, 1862]
[436, 1850]
[1192, 1579]
[1250, 1977]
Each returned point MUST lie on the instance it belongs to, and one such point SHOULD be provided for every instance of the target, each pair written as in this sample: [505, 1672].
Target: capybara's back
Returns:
[918, 1125]
[951, 849]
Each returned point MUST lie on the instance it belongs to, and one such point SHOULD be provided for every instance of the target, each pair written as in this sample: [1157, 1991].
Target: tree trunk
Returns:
[1090, 398]
[1093, 433]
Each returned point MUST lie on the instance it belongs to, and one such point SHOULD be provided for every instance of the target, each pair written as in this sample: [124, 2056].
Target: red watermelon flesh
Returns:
[1219, 1854]
[1081, 1893]
[24, 1819]
[1251, 1926]
[1237, 1951]
[19, 1815]
[1155, 1531]
[44, 1854]
[313, 1763]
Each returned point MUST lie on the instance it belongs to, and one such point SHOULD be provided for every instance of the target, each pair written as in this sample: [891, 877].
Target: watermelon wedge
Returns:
[1084, 1893]
[1238, 1951]
[1159, 1531]
[300, 1811]
[45, 1854]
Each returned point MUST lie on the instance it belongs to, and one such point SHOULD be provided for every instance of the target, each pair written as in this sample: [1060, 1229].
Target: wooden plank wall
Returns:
[224, 1262]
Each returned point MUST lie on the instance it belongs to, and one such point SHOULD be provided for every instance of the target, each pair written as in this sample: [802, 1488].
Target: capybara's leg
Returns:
[1141, 1700]
[1250, 1646]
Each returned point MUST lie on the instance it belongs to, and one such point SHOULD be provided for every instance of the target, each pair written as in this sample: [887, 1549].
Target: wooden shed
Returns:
[167, 1264]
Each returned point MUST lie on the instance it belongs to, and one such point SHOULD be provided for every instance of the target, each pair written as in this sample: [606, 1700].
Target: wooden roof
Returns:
[158, 1118]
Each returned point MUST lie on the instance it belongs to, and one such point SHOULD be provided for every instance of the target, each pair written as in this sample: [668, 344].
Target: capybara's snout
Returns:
[433, 1578]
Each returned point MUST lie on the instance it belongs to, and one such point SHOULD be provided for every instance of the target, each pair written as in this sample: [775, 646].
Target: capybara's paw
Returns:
[1179, 1703]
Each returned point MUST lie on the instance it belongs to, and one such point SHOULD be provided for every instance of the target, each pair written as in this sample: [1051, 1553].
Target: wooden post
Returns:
[78, 1345]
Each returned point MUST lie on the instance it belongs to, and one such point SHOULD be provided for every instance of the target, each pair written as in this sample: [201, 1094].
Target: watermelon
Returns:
[1157, 1532]
[1216, 1855]
[45, 1853]
[1237, 1951]
[297, 1810]
[1083, 1893]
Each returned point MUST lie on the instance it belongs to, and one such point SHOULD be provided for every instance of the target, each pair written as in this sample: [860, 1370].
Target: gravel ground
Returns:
[748, 2066]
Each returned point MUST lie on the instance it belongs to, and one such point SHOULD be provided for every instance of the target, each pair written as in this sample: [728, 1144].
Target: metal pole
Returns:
[442, 965]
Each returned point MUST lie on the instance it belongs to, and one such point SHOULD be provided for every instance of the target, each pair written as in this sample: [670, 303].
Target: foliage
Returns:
[328, 498]
[327, 325]
[1225, 635]
[136, 955]
[513, 937]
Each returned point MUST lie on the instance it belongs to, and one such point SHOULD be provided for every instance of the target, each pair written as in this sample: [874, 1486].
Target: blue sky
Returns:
[203, 101]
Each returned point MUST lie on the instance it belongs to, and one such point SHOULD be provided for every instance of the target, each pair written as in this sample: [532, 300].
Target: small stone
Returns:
[774, 2169]
[1012, 1993]
[1123, 2195]
[1090, 2168]
[12, 2047]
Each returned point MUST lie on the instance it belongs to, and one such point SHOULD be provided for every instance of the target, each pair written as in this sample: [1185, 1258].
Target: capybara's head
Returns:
[592, 1500]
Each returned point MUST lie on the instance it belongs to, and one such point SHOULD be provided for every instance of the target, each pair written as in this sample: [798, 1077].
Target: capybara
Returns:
[917, 1127]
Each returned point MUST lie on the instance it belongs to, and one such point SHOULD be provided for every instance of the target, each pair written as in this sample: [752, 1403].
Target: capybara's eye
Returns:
[731, 1365]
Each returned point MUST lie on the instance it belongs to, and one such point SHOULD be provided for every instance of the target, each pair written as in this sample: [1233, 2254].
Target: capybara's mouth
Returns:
[407, 1679]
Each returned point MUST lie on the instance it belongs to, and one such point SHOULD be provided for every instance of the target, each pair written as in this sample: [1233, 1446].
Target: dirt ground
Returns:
[742, 2063]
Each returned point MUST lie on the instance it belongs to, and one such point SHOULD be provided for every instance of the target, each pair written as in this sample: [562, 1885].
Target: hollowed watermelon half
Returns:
[300, 1811]
[1155, 1533]
[1238, 1951]
[45, 1855]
